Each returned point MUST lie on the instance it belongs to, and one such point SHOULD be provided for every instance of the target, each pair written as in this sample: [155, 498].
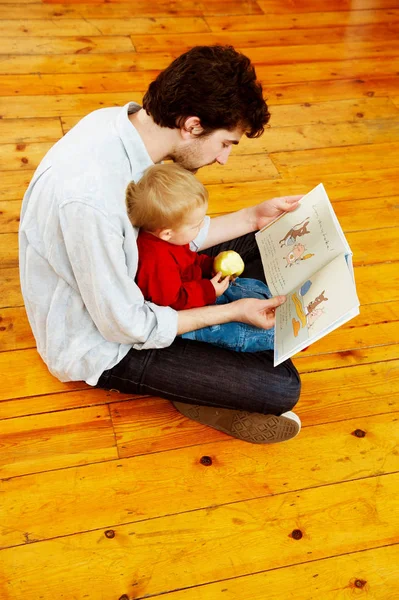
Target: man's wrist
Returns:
[206, 316]
[251, 217]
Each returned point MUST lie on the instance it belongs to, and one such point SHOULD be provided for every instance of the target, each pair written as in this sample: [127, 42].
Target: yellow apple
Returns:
[229, 263]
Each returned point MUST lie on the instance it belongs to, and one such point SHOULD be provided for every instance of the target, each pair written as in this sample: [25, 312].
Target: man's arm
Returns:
[100, 275]
[252, 311]
[246, 220]
[229, 227]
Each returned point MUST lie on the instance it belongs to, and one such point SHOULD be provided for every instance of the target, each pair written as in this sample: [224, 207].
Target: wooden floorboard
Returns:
[123, 485]
[103, 495]
[167, 553]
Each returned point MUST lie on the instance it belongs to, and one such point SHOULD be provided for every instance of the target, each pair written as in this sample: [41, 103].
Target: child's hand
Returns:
[220, 284]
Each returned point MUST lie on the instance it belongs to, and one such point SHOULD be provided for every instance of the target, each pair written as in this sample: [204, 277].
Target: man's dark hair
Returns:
[217, 84]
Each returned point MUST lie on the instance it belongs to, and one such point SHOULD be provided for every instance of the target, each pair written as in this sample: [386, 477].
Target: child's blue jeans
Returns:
[238, 336]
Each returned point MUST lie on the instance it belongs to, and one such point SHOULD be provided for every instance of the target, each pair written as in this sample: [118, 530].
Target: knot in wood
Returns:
[110, 533]
[297, 534]
[359, 433]
[124, 597]
[206, 461]
[360, 583]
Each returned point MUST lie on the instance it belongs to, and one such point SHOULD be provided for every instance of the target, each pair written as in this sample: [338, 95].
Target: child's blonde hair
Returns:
[163, 197]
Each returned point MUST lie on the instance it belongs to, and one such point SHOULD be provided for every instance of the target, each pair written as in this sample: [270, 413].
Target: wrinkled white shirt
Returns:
[78, 252]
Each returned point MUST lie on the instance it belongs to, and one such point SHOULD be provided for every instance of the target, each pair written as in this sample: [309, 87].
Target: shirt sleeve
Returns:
[161, 282]
[205, 263]
[95, 249]
[196, 244]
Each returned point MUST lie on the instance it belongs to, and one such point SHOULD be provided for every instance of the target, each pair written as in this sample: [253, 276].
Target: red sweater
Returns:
[171, 275]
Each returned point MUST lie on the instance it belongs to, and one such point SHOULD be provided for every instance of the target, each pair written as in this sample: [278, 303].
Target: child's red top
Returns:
[171, 275]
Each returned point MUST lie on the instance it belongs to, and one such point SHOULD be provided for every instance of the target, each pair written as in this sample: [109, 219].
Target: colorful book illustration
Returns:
[306, 257]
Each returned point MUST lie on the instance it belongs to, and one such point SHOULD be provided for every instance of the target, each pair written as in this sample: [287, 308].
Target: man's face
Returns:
[207, 150]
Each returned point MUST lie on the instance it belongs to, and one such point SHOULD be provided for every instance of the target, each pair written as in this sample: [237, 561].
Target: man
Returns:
[78, 253]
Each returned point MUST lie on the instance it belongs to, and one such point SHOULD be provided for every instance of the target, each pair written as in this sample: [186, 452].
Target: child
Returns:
[169, 205]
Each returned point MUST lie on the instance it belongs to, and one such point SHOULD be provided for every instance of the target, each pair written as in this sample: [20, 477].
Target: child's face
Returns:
[188, 232]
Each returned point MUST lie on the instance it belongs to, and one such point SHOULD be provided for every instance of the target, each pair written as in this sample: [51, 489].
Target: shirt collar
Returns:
[134, 146]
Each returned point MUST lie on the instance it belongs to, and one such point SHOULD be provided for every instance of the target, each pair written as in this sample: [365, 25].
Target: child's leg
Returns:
[244, 287]
[238, 336]
[235, 336]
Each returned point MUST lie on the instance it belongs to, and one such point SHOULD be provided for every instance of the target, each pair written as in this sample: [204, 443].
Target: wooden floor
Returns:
[104, 497]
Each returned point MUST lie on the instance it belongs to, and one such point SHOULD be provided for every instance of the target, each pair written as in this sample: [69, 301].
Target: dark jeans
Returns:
[200, 373]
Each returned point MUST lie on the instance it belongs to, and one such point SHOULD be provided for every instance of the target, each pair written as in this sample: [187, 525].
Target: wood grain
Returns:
[358, 515]
[302, 21]
[358, 185]
[10, 292]
[24, 374]
[325, 454]
[376, 569]
[309, 6]
[14, 184]
[56, 440]
[22, 156]
[280, 38]
[243, 40]
[336, 160]
[63, 45]
[97, 10]
[33, 130]
[81, 27]
[9, 215]
[70, 104]
[35, 405]
[340, 89]
[360, 68]
[85, 63]
[78, 461]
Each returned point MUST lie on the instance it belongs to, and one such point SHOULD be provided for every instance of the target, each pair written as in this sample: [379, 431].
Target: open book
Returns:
[306, 257]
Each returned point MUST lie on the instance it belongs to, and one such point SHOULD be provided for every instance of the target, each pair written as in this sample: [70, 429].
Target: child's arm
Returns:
[161, 283]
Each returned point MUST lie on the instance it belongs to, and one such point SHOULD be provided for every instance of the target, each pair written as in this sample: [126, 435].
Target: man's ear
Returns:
[164, 234]
[191, 128]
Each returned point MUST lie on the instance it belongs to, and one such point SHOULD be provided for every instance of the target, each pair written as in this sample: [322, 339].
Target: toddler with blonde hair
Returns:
[169, 206]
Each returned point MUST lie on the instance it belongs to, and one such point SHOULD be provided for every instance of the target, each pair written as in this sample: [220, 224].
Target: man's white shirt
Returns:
[78, 251]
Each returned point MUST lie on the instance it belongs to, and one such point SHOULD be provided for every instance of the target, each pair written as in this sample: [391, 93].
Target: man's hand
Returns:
[220, 284]
[269, 210]
[260, 313]
[247, 310]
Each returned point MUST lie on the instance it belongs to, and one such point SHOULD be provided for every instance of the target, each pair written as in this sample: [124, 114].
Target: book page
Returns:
[316, 307]
[299, 243]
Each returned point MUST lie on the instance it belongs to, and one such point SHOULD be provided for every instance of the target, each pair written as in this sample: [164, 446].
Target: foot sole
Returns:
[249, 427]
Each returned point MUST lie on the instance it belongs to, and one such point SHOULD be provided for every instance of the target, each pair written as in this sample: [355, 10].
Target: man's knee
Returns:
[293, 387]
[280, 390]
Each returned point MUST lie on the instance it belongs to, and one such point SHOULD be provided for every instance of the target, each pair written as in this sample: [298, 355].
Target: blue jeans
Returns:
[238, 336]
